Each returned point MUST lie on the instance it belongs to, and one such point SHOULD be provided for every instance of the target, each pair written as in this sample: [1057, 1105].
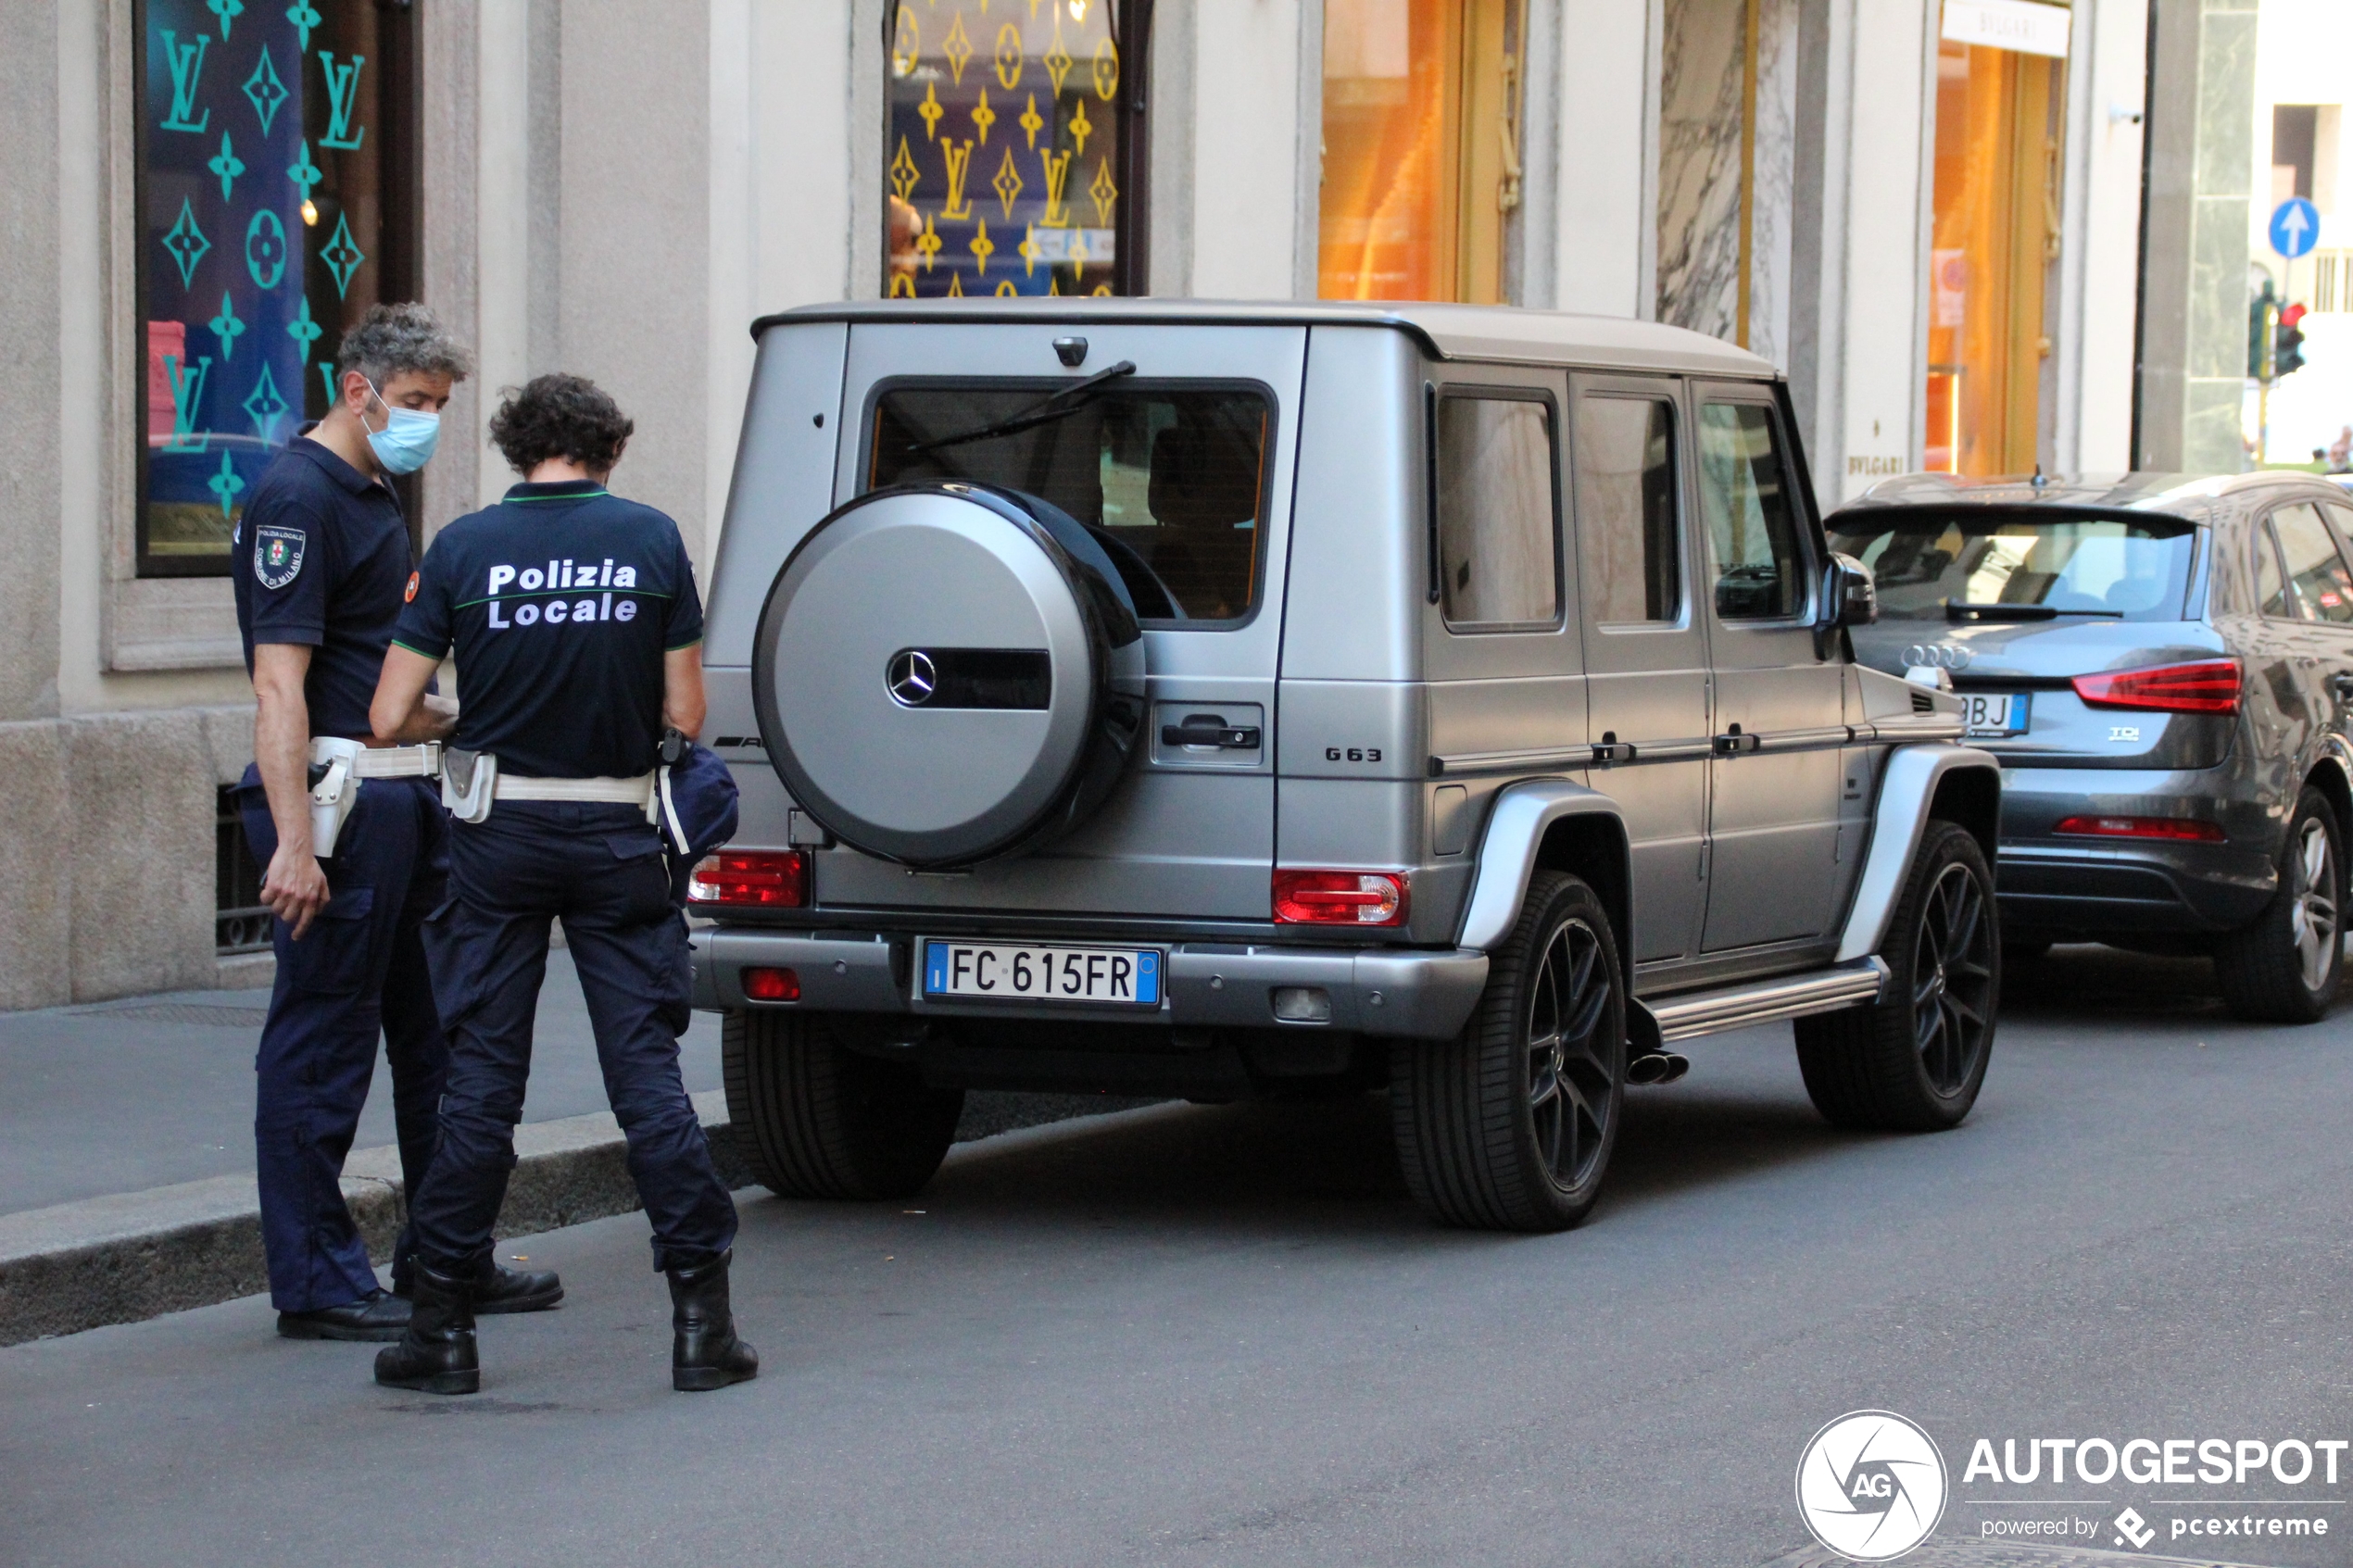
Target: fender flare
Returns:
[1516, 827]
[1907, 787]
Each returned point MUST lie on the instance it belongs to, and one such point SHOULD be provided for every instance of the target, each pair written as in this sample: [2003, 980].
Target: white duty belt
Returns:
[650, 792]
[348, 762]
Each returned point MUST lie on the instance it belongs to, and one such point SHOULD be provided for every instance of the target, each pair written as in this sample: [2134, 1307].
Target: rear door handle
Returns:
[1734, 743]
[1209, 730]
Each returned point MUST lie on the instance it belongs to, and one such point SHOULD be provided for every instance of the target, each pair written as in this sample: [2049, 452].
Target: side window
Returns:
[2270, 589]
[1625, 509]
[1745, 499]
[1498, 512]
[2316, 572]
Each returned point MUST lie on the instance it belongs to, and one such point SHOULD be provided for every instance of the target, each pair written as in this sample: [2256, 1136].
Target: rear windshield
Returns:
[1171, 480]
[1935, 566]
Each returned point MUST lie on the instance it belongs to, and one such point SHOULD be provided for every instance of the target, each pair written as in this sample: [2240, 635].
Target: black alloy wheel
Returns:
[1914, 1059]
[1571, 1071]
[1952, 979]
[2283, 967]
[1509, 1125]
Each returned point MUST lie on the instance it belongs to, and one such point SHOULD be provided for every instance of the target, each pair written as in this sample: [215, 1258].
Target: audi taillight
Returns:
[2180, 830]
[1340, 898]
[751, 879]
[2210, 685]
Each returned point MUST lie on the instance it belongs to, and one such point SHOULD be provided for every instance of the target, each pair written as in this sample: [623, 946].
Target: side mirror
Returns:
[1850, 595]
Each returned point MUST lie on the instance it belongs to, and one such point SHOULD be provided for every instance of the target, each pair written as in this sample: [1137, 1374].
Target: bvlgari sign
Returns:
[2022, 25]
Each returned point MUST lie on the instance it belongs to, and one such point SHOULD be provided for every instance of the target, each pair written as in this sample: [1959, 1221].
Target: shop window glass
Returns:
[1013, 151]
[1498, 539]
[1420, 139]
[1625, 509]
[1997, 205]
[276, 150]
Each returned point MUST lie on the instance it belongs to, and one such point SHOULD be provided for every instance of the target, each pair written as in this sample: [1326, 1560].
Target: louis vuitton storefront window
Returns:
[1015, 148]
[277, 201]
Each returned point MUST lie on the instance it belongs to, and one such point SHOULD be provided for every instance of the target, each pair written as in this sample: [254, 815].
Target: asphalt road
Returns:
[1221, 1336]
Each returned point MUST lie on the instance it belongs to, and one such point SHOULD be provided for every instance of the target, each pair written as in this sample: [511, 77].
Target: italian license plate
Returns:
[1008, 973]
[1994, 713]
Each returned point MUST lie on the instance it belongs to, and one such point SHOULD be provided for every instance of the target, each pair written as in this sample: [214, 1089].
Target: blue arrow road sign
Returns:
[2296, 227]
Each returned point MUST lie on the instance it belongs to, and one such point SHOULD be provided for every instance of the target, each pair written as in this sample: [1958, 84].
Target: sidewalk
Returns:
[126, 1149]
[122, 1095]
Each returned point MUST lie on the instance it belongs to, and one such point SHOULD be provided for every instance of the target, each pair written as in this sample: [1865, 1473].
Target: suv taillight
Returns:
[2210, 685]
[2186, 830]
[751, 879]
[1340, 898]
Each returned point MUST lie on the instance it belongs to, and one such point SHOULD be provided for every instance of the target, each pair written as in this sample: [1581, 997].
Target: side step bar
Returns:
[1763, 1001]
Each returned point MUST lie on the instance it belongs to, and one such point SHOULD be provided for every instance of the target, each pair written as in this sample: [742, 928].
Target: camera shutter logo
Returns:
[912, 678]
[1871, 1485]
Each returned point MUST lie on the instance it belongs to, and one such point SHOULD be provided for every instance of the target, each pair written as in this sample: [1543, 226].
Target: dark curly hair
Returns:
[560, 416]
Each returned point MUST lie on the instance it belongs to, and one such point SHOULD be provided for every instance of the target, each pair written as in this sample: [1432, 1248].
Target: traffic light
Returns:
[2261, 315]
[2287, 344]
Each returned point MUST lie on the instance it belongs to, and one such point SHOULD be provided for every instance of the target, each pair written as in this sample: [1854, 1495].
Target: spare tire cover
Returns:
[947, 673]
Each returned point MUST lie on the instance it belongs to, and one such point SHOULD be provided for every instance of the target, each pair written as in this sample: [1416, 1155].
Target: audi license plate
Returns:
[1994, 713]
[1005, 973]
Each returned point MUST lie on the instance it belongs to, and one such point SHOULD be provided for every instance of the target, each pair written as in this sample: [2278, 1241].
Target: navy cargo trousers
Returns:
[599, 868]
[358, 972]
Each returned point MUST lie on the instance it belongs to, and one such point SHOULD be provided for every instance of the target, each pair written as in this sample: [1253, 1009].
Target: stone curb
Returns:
[132, 1256]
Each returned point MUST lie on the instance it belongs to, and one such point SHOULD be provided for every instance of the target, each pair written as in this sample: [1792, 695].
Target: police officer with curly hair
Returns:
[349, 832]
[578, 637]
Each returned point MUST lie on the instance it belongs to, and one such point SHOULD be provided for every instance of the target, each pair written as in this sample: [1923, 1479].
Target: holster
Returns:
[335, 792]
[468, 780]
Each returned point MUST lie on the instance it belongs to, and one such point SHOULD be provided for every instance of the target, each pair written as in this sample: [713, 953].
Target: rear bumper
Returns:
[2057, 883]
[1391, 991]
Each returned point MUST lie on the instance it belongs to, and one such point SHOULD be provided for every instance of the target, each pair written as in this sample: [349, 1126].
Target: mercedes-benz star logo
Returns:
[911, 677]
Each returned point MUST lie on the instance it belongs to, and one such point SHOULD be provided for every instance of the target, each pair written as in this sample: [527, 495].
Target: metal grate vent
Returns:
[240, 922]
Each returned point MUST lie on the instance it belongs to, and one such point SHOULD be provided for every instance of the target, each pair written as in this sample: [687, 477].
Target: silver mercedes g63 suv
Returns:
[1218, 700]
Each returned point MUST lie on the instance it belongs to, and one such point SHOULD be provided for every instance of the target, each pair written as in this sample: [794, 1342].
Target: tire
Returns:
[2283, 967]
[1509, 1125]
[824, 1122]
[1914, 1061]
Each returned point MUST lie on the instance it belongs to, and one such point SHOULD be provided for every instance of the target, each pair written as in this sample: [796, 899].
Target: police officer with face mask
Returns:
[349, 832]
[578, 637]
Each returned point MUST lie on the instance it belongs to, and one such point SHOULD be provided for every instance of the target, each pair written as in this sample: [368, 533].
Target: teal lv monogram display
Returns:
[255, 252]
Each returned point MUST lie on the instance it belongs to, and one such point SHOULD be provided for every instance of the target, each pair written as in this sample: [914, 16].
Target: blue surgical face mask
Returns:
[405, 443]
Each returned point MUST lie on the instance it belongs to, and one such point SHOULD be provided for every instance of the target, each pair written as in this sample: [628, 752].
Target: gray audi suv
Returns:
[2163, 664]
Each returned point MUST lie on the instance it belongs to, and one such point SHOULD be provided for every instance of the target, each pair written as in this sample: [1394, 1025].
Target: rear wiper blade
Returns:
[1957, 610]
[1060, 404]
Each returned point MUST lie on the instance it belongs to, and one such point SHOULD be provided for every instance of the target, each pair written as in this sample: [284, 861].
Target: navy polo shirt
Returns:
[561, 602]
[319, 559]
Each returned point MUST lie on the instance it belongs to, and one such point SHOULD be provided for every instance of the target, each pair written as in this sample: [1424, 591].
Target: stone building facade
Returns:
[618, 187]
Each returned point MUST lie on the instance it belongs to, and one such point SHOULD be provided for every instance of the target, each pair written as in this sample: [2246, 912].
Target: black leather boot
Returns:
[437, 1354]
[706, 1354]
[497, 1289]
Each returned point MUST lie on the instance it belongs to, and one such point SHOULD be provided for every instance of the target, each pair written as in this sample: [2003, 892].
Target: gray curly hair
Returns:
[392, 338]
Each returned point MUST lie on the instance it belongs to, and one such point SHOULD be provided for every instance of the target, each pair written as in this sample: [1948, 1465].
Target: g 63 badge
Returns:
[277, 555]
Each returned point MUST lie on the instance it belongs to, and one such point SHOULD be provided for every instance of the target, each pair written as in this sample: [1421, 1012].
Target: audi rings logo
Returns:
[911, 677]
[1871, 1485]
[1938, 656]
